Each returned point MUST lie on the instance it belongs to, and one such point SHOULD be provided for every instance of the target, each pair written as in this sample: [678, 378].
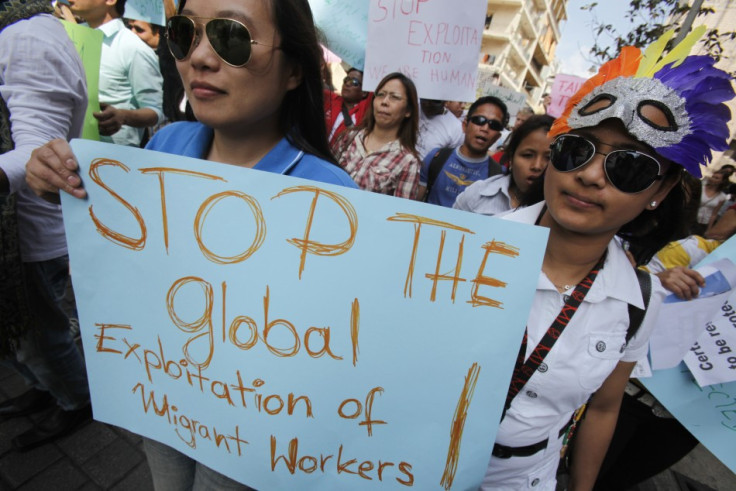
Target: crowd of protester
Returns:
[254, 94]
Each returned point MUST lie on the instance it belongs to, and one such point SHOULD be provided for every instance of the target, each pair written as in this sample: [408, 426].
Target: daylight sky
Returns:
[577, 33]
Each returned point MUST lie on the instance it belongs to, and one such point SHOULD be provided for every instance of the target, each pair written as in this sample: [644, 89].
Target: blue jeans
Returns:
[47, 357]
[173, 471]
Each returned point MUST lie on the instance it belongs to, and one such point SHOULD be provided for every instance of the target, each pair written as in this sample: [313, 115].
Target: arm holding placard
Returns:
[53, 167]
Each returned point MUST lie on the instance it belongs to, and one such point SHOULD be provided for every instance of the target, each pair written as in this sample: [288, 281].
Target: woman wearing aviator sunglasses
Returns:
[616, 159]
[251, 70]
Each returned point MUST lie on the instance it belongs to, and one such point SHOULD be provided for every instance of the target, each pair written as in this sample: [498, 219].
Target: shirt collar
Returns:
[392, 146]
[281, 159]
[112, 27]
[616, 280]
[493, 186]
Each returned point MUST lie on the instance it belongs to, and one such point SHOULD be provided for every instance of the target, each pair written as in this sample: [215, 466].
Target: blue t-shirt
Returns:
[193, 140]
[456, 174]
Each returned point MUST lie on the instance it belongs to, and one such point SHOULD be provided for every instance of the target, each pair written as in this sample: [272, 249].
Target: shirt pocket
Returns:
[604, 350]
[381, 178]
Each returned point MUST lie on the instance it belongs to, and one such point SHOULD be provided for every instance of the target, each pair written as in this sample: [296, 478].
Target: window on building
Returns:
[489, 19]
[537, 65]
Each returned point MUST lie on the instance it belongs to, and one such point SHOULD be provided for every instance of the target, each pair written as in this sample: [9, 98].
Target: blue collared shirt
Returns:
[194, 139]
[130, 78]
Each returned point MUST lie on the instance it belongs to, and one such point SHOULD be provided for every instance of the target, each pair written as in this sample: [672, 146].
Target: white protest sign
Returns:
[564, 87]
[712, 359]
[681, 322]
[436, 43]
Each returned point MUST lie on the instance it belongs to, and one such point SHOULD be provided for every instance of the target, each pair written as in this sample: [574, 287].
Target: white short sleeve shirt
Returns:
[587, 351]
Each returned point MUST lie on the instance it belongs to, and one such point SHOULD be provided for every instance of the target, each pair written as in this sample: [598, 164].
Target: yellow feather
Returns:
[652, 54]
[680, 52]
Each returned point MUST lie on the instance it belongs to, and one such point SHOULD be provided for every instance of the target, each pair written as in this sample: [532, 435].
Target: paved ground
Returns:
[96, 457]
[103, 457]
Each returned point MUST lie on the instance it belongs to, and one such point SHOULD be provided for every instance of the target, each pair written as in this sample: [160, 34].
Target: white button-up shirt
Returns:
[130, 77]
[588, 350]
[487, 197]
[583, 357]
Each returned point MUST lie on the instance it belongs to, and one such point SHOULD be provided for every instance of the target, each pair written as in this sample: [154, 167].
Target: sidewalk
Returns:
[97, 456]
[102, 457]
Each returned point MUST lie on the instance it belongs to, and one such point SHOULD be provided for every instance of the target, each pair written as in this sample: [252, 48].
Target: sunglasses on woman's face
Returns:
[229, 38]
[493, 124]
[629, 171]
[352, 81]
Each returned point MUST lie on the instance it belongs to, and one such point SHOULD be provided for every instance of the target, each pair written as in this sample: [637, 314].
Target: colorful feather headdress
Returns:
[688, 90]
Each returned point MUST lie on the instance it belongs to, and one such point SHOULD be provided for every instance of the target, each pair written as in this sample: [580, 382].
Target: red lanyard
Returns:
[524, 369]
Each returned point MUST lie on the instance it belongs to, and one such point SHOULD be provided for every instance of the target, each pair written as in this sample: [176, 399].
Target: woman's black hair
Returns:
[301, 116]
[302, 111]
[653, 229]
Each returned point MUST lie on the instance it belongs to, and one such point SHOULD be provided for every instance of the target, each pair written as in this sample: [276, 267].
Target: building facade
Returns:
[519, 43]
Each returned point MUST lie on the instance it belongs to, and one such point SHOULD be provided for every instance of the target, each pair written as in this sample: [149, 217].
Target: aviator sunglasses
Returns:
[229, 38]
[352, 81]
[493, 124]
[628, 171]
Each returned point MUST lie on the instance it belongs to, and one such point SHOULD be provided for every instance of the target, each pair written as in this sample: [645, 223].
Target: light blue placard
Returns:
[151, 319]
[709, 413]
[344, 25]
[151, 11]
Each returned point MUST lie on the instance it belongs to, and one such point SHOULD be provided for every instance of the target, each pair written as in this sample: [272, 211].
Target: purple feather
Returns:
[704, 88]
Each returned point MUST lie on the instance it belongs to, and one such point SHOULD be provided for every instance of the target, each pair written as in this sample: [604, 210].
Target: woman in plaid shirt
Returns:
[380, 154]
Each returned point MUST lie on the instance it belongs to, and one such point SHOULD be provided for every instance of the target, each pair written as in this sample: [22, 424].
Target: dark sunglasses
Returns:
[229, 38]
[352, 81]
[629, 171]
[493, 124]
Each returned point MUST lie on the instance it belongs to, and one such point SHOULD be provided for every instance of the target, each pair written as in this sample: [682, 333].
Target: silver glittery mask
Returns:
[625, 98]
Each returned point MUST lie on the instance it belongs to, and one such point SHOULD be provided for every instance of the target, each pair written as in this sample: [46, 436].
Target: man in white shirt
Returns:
[44, 96]
[131, 86]
[438, 127]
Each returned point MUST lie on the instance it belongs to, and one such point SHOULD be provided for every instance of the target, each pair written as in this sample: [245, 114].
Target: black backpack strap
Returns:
[494, 168]
[435, 166]
[636, 316]
[348, 120]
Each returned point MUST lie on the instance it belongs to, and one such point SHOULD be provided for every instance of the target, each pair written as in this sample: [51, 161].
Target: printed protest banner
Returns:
[88, 43]
[433, 42]
[712, 358]
[344, 26]
[564, 87]
[295, 335]
[683, 322]
[151, 11]
[709, 413]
